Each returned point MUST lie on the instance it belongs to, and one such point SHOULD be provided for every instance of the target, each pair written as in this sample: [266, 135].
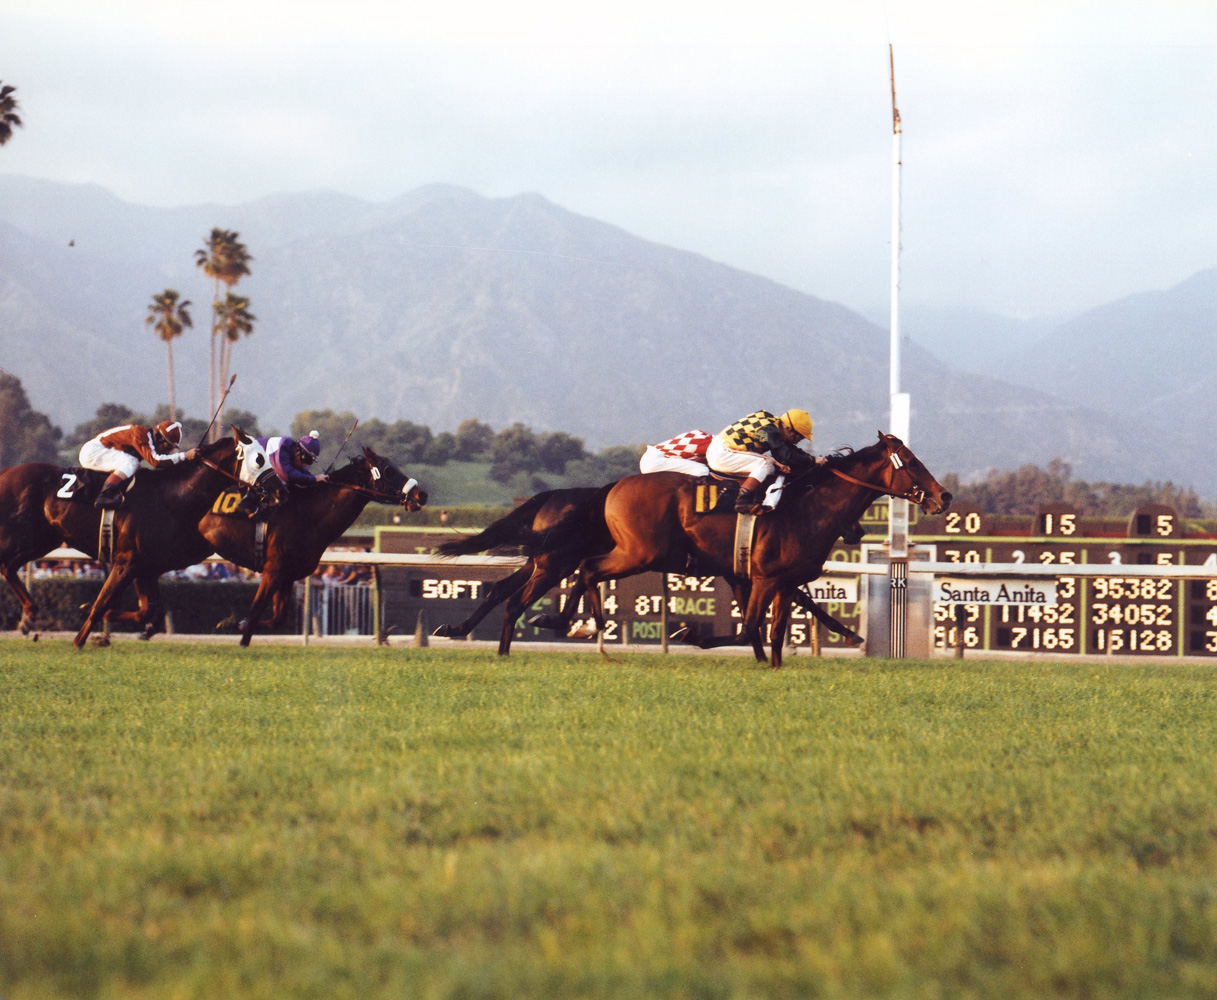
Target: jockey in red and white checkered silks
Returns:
[684, 453]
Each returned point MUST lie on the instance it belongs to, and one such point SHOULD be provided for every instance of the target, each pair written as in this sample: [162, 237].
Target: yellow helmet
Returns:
[798, 421]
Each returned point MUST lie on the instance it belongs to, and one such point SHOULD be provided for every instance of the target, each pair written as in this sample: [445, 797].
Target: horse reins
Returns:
[374, 494]
[917, 495]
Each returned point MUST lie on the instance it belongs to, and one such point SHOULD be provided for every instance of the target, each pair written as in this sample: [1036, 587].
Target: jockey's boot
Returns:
[749, 499]
[111, 494]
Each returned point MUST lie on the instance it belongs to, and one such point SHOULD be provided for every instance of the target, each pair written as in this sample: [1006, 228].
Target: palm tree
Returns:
[223, 258]
[168, 318]
[9, 119]
[233, 320]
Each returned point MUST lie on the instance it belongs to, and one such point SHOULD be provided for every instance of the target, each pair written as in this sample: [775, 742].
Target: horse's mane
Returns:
[350, 474]
[813, 475]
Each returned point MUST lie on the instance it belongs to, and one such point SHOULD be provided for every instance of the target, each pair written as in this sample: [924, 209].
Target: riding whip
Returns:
[338, 453]
[219, 407]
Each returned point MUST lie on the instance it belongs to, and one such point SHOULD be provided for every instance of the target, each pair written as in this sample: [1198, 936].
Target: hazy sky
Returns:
[1057, 155]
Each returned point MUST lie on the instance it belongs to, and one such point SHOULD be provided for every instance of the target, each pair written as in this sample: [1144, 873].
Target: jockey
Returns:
[289, 458]
[118, 451]
[759, 445]
[684, 453]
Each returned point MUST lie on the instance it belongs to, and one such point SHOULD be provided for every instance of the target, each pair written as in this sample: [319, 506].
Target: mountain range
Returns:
[443, 305]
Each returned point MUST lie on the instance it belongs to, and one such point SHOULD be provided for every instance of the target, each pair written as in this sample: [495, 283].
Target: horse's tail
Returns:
[583, 526]
[511, 529]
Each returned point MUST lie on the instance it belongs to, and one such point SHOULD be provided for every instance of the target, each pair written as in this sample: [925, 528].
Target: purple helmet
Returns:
[310, 447]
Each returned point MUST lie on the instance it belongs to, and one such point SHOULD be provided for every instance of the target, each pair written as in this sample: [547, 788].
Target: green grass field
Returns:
[207, 822]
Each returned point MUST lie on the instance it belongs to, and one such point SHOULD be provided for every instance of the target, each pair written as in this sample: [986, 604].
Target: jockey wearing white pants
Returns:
[684, 453]
[759, 446]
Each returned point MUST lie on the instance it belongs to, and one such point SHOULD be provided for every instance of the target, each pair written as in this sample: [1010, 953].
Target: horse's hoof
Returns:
[681, 634]
[35, 637]
[101, 641]
[444, 631]
[583, 632]
[857, 642]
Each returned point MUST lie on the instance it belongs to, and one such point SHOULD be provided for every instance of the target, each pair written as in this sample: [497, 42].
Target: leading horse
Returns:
[300, 529]
[154, 531]
[580, 511]
[655, 527]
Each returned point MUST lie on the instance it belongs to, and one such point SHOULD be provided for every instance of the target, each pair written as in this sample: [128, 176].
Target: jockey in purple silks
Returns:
[289, 458]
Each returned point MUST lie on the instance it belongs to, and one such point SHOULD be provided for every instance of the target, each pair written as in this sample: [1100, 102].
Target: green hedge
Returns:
[194, 606]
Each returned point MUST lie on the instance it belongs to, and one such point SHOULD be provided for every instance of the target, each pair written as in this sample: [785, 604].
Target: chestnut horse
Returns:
[155, 529]
[581, 510]
[655, 528]
[301, 528]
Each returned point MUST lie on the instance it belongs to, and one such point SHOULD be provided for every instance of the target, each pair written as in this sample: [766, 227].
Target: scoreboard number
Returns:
[1058, 519]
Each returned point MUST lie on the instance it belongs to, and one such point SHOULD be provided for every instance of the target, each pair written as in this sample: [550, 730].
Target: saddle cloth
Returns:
[716, 492]
[82, 484]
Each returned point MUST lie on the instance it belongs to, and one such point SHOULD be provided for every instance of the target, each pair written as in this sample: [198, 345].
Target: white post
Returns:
[898, 510]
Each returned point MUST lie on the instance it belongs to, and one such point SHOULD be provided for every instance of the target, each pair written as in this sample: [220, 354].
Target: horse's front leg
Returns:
[268, 588]
[115, 583]
[762, 596]
[780, 612]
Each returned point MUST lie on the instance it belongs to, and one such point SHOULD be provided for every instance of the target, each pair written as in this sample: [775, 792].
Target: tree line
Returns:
[1029, 488]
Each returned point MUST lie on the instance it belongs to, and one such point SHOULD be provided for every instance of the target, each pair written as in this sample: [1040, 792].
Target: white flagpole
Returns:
[898, 510]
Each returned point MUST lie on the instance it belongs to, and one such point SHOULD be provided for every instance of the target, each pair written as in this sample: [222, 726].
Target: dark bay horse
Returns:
[299, 530]
[155, 529]
[581, 507]
[655, 528]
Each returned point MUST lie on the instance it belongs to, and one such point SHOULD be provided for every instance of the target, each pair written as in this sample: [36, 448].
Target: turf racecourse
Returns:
[202, 821]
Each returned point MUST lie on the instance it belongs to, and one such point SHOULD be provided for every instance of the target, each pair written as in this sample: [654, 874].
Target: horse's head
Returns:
[383, 481]
[903, 475]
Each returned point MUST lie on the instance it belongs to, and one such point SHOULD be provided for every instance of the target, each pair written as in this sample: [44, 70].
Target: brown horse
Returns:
[655, 528]
[154, 529]
[301, 528]
[582, 507]
[581, 511]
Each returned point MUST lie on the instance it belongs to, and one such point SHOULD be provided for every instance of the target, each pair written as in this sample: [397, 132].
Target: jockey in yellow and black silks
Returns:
[759, 446]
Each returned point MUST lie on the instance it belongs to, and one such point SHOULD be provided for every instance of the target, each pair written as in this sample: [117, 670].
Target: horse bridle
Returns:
[379, 496]
[915, 493]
